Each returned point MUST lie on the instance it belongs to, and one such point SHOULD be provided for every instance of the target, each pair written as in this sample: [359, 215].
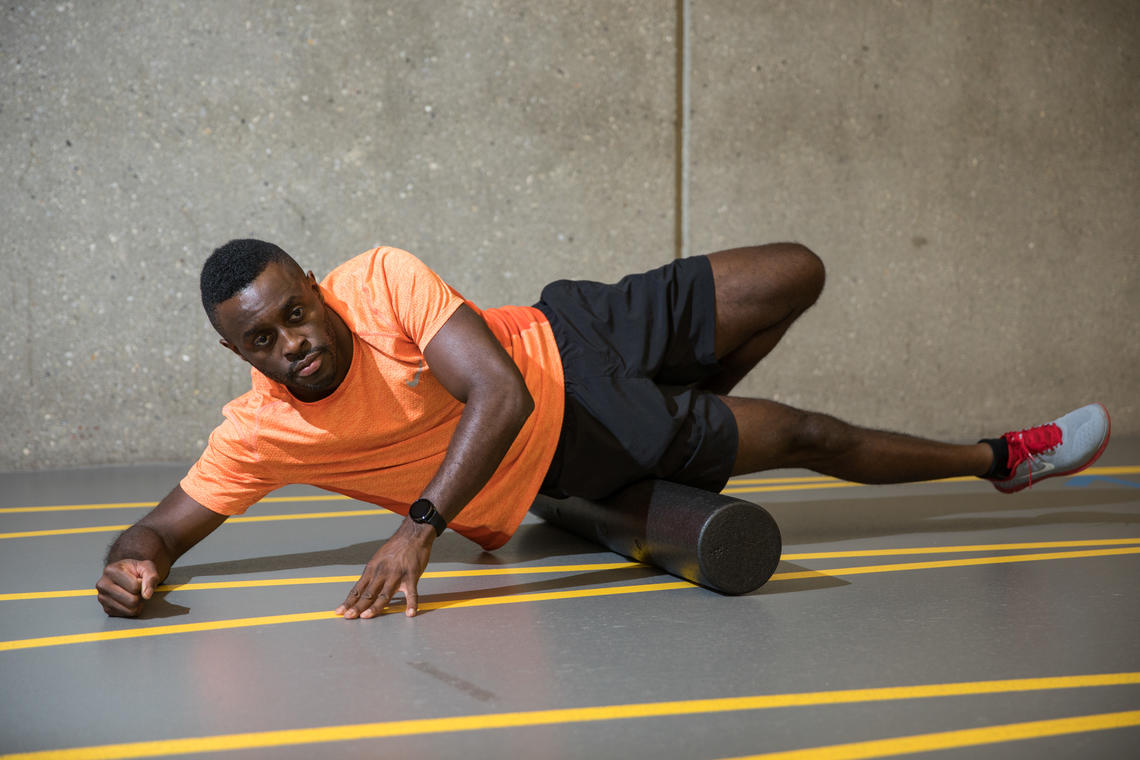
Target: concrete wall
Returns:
[968, 171]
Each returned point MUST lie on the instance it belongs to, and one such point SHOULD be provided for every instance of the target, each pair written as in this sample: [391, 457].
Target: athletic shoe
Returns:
[1064, 446]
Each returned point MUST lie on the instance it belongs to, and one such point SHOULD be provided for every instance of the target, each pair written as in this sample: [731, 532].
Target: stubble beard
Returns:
[330, 361]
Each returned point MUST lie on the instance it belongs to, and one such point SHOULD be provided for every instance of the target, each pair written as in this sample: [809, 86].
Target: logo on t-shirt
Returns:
[416, 379]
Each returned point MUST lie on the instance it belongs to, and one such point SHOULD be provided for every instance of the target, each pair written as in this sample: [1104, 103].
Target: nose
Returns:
[295, 345]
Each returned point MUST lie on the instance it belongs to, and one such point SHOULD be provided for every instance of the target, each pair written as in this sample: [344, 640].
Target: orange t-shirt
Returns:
[381, 436]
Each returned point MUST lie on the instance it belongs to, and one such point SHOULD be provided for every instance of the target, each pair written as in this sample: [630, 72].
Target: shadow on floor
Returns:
[533, 542]
[808, 522]
[778, 585]
[802, 522]
[159, 608]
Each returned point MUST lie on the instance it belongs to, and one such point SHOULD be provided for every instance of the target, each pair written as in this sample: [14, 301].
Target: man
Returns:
[383, 384]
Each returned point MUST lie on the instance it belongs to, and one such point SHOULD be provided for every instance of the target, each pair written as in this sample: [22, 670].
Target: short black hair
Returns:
[231, 268]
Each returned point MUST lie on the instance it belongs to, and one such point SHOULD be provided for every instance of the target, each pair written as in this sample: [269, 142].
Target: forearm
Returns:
[487, 428]
[143, 543]
[490, 422]
[467, 360]
[141, 557]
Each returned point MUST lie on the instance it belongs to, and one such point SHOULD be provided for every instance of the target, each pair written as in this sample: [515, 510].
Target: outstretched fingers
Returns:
[395, 568]
[411, 597]
[377, 600]
[368, 598]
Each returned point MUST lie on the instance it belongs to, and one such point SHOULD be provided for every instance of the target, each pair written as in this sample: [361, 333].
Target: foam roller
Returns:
[725, 544]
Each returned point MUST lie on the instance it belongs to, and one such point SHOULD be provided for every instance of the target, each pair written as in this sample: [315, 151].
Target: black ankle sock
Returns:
[999, 469]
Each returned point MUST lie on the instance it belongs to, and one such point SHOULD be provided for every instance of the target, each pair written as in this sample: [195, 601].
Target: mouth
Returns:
[309, 365]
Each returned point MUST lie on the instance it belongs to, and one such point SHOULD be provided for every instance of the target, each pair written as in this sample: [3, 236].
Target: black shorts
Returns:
[632, 353]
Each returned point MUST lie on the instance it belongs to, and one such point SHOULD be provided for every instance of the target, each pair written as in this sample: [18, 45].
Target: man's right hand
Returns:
[141, 557]
[125, 585]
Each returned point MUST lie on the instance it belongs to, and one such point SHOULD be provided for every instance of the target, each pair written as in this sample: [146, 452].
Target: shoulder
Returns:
[250, 416]
[360, 291]
[373, 276]
[388, 290]
[379, 263]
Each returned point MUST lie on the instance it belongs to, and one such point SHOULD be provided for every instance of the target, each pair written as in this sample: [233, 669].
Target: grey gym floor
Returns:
[1007, 611]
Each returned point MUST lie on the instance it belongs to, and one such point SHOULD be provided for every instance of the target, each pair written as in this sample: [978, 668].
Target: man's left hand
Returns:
[396, 567]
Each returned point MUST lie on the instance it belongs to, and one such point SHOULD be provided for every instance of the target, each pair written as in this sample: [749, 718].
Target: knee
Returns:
[784, 278]
[808, 270]
[817, 435]
[794, 269]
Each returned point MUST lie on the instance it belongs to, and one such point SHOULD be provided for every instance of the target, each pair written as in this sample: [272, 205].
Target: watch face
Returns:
[420, 509]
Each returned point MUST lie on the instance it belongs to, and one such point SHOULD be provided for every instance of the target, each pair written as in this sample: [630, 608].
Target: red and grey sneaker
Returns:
[1064, 446]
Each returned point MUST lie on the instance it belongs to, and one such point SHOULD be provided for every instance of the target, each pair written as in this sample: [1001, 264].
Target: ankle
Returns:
[999, 467]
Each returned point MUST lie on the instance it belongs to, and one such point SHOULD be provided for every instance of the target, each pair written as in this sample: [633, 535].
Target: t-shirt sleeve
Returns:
[226, 477]
[420, 301]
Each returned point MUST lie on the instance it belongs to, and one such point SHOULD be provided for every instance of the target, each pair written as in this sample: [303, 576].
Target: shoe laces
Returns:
[1028, 443]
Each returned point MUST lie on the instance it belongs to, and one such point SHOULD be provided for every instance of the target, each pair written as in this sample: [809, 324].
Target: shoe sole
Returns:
[1075, 470]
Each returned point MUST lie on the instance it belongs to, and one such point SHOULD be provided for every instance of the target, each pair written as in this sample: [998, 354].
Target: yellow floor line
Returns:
[762, 485]
[236, 520]
[215, 625]
[148, 504]
[433, 726]
[1122, 470]
[736, 485]
[271, 582]
[970, 737]
[65, 531]
[944, 563]
[598, 566]
[775, 481]
[542, 597]
[955, 549]
[77, 507]
[310, 515]
[730, 490]
[590, 567]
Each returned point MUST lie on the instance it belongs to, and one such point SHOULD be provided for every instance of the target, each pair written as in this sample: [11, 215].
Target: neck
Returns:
[343, 345]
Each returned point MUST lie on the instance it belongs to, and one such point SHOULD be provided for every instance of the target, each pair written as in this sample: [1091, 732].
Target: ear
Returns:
[312, 278]
[231, 347]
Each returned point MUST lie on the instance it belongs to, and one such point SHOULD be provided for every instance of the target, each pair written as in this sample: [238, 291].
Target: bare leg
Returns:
[773, 435]
[760, 292]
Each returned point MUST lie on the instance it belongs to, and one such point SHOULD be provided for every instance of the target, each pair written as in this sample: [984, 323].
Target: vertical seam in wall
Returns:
[681, 214]
[30, 332]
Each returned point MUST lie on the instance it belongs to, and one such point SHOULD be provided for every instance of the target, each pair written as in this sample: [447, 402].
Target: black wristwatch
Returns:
[423, 511]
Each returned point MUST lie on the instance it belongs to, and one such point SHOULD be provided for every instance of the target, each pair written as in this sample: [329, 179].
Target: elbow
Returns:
[515, 402]
[503, 401]
[522, 404]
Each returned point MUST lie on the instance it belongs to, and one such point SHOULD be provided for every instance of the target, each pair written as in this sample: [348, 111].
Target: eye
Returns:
[261, 341]
[297, 313]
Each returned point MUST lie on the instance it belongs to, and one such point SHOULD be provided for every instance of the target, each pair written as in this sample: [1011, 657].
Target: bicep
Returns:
[181, 521]
[464, 355]
[414, 296]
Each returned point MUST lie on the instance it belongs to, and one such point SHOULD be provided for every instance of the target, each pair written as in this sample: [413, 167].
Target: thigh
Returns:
[617, 431]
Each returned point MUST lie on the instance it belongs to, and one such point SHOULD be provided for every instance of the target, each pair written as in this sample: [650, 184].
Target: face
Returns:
[280, 324]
